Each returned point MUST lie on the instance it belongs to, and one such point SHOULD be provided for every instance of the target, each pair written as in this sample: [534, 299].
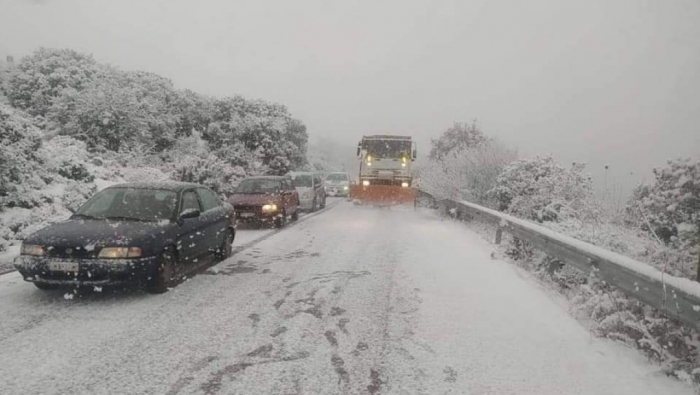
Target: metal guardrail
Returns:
[678, 298]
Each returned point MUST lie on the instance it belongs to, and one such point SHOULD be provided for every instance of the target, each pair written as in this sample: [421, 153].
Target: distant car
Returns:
[312, 191]
[145, 233]
[266, 199]
[338, 184]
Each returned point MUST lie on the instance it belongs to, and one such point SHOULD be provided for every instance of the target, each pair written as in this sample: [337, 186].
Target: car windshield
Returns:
[130, 204]
[337, 177]
[302, 181]
[258, 185]
[387, 148]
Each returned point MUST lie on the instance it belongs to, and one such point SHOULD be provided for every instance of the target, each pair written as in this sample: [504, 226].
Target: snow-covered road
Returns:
[352, 301]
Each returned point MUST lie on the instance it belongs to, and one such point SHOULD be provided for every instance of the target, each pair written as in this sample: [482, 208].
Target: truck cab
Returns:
[386, 160]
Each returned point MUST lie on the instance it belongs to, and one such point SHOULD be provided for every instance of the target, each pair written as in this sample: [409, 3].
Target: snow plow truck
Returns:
[385, 171]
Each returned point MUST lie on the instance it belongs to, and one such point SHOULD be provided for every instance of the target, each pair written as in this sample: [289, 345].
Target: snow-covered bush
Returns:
[541, 189]
[468, 173]
[671, 205]
[20, 166]
[210, 171]
[44, 75]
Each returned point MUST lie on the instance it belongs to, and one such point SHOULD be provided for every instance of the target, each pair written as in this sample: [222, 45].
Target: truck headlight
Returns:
[404, 185]
[32, 249]
[403, 164]
[268, 208]
[345, 188]
[119, 252]
[365, 183]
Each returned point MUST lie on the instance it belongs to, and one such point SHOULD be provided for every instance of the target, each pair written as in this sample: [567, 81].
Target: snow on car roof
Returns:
[170, 185]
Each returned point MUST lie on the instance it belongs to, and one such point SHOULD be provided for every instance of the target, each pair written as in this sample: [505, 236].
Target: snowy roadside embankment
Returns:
[607, 312]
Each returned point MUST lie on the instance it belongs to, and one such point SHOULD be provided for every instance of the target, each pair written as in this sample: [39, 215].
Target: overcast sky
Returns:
[602, 81]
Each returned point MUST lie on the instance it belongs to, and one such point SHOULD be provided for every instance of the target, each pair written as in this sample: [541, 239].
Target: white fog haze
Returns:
[372, 197]
[600, 82]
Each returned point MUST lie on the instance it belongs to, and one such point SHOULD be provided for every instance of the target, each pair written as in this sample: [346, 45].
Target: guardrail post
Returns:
[698, 268]
[499, 234]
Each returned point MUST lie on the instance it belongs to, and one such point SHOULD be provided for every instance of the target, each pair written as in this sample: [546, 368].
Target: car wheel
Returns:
[281, 221]
[163, 278]
[295, 216]
[313, 205]
[45, 286]
[226, 248]
[323, 202]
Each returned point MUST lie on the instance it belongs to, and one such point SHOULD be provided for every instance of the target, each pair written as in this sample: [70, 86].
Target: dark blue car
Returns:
[144, 233]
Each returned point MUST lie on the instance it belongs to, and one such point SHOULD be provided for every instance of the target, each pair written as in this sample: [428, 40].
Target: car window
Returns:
[258, 185]
[303, 181]
[288, 185]
[209, 200]
[189, 200]
[335, 177]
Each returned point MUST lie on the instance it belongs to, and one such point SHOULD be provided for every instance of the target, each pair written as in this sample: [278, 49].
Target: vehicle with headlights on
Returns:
[338, 184]
[150, 234]
[265, 199]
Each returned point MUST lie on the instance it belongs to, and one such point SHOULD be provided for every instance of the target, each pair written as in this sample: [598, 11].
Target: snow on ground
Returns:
[354, 300]
[7, 256]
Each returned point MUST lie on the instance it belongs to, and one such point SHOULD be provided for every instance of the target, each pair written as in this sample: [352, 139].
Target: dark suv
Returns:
[266, 199]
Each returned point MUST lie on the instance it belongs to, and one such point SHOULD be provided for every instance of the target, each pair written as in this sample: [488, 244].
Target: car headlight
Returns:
[269, 208]
[404, 185]
[119, 252]
[32, 249]
[345, 187]
[365, 183]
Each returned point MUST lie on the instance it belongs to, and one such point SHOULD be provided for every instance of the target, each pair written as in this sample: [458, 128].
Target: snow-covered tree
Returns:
[105, 114]
[468, 173]
[41, 77]
[541, 189]
[20, 165]
[460, 136]
[671, 205]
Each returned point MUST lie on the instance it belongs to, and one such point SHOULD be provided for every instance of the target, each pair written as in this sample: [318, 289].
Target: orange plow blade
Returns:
[382, 195]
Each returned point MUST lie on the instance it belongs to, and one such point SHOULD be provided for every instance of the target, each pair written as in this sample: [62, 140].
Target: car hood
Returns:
[93, 232]
[253, 199]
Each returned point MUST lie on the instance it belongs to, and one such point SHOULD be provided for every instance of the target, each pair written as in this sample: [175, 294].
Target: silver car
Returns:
[338, 184]
[312, 191]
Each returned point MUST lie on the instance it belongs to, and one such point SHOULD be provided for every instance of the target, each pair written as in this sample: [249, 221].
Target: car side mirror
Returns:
[358, 151]
[189, 213]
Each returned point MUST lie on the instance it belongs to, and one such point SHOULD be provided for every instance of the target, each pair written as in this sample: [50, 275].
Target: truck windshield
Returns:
[387, 148]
